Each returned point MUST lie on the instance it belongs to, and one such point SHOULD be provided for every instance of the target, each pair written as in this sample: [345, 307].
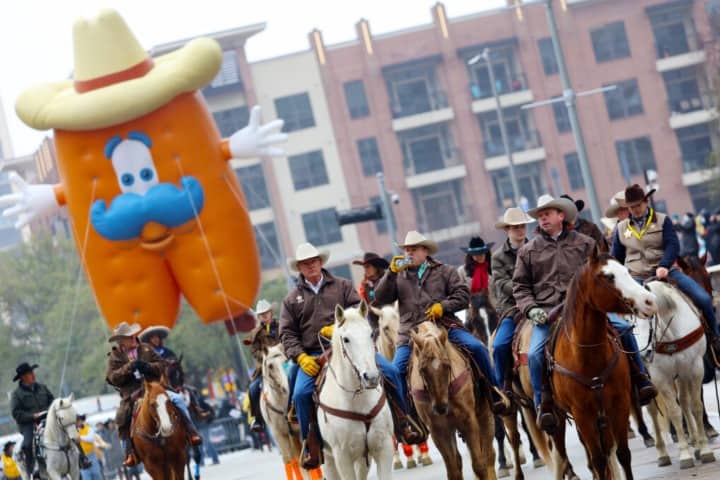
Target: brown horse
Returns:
[446, 399]
[159, 434]
[590, 374]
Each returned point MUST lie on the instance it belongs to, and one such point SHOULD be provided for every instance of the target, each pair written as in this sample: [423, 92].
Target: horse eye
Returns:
[346, 340]
[610, 277]
[272, 366]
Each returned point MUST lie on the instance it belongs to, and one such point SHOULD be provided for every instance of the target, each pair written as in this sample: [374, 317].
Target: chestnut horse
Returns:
[159, 435]
[590, 374]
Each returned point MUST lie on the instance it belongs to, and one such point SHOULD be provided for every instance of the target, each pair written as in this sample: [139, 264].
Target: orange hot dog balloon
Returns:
[156, 209]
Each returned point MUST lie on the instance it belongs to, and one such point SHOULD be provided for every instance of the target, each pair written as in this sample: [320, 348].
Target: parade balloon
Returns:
[156, 210]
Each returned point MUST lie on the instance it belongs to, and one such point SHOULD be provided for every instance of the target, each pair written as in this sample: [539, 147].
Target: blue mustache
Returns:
[164, 203]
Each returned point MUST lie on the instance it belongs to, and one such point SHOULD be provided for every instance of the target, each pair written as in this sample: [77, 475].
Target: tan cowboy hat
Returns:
[562, 204]
[417, 239]
[513, 216]
[263, 306]
[158, 330]
[115, 80]
[306, 251]
[616, 202]
[123, 330]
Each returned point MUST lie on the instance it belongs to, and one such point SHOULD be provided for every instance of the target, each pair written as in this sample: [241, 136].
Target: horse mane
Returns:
[571, 294]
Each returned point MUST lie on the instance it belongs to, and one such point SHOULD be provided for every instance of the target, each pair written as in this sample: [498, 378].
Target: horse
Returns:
[481, 317]
[353, 414]
[175, 376]
[389, 325]
[448, 402]
[158, 434]
[590, 375]
[678, 343]
[59, 442]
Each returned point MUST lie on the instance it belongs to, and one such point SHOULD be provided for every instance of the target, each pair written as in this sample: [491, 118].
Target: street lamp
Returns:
[485, 55]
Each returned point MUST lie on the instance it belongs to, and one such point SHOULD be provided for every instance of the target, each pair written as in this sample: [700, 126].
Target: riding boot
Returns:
[500, 403]
[406, 429]
[258, 424]
[547, 420]
[645, 389]
[312, 456]
[131, 458]
[715, 349]
[192, 433]
[29, 461]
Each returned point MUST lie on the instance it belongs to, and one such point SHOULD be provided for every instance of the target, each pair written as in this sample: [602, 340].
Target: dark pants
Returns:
[27, 431]
[254, 392]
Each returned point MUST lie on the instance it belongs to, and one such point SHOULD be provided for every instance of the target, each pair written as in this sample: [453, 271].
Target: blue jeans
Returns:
[92, 473]
[209, 446]
[254, 393]
[698, 295]
[179, 403]
[502, 348]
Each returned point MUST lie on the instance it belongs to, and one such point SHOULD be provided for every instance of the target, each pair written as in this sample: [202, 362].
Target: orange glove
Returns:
[435, 312]
[308, 364]
[327, 331]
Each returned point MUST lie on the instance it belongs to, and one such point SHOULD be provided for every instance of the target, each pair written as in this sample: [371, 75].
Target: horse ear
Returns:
[682, 263]
[363, 309]
[703, 259]
[339, 315]
[443, 336]
[71, 398]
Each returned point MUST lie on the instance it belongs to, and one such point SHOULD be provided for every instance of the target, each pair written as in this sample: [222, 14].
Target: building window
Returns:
[530, 181]
[703, 195]
[426, 149]
[440, 206]
[340, 271]
[624, 101]
[296, 111]
[229, 73]
[254, 187]
[413, 89]
[356, 99]
[572, 165]
[547, 54]
[696, 147]
[673, 28]
[517, 125]
[610, 42]
[308, 170]
[268, 245]
[635, 156]
[508, 78]
[683, 90]
[562, 118]
[369, 156]
[321, 227]
[232, 120]
[380, 225]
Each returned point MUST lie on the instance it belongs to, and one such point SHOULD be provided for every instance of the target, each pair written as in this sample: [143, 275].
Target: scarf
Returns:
[480, 277]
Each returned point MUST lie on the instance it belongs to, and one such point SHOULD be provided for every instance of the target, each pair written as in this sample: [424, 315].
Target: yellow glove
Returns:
[308, 364]
[403, 263]
[327, 331]
[434, 312]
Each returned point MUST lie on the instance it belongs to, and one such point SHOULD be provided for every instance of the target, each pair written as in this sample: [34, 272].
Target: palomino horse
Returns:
[590, 373]
[59, 442]
[441, 382]
[353, 414]
[677, 370]
[159, 434]
[389, 325]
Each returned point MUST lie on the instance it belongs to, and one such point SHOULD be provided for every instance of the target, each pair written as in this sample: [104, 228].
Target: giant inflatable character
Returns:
[155, 207]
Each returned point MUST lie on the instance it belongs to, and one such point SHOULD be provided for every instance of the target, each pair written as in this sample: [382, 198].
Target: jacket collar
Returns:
[327, 279]
[508, 248]
[565, 232]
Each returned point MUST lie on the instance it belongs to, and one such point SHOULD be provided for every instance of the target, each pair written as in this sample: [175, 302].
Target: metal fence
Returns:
[227, 435]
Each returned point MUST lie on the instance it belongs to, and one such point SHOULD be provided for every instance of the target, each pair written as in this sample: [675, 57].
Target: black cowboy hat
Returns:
[22, 369]
[81, 416]
[373, 259]
[579, 204]
[477, 246]
[635, 194]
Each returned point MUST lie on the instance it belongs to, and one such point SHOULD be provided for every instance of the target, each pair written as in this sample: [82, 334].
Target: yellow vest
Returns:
[87, 447]
[10, 467]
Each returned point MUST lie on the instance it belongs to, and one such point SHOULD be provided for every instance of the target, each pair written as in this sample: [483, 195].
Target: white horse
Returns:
[353, 414]
[676, 368]
[59, 442]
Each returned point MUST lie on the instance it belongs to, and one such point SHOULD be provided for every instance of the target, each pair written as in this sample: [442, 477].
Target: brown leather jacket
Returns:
[304, 313]
[439, 284]
[504, 259]
[545, 267]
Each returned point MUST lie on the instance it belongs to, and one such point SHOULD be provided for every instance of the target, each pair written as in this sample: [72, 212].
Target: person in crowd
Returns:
[155, 336]
[374, 267]
[89, 448]
[10, 470]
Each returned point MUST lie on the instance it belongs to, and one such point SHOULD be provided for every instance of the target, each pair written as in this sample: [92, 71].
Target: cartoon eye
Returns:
[127, 179]
[146, 174]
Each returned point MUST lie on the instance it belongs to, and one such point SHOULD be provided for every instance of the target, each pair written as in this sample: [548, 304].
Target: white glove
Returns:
[538, 316]
[28, 201]
[258, 140]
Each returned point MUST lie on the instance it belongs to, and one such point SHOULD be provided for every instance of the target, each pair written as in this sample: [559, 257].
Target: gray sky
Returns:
[36, 44]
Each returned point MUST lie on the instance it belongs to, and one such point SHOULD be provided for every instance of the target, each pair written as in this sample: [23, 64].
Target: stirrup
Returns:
[546, 419]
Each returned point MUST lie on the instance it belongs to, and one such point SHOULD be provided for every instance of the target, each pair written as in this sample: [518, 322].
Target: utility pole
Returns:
[388, 213]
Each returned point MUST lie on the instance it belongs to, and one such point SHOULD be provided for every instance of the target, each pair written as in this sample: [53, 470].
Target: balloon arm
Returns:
[27, 202]
[256, 139]
[59, 194]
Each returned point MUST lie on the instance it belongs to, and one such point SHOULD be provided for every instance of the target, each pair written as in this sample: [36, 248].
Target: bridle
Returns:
[360, 389]
[153, 437]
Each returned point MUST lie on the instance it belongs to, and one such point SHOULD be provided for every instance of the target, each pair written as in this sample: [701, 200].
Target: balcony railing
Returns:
[435, 100]
[692, 103]
[450, 157]
[210, 90]
[437, 222]
[525, 141]
[690, 42]
[516, 84]
[696, 161]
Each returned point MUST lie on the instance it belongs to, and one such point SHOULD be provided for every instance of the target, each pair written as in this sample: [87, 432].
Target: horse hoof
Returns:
[411, 463]
[649, 442]
[538, 463]
[523, 460]
[631, 434]
[711, 433]
[687, 463]
[707, 457]
[397, 465]
[503, 473]
[425, 460]
[664, 461]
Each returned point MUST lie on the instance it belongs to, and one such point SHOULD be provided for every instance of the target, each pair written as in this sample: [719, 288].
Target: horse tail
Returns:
[538, 437]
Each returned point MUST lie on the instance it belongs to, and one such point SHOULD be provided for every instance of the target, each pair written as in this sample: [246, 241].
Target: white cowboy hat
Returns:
[417, 239]
[562, 204]
[306, 251]
[263, 306]
[123, 330]
[616, 202]
[115, 80]
[513, 216]
[158, 330]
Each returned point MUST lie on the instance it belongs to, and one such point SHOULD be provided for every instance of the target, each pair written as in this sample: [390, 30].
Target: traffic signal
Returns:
[358, 215]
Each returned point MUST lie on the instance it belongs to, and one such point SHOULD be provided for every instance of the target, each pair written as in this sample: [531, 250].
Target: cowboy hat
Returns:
[306, 251]
[417, 239]
[158, 330]
[562, 204]
[263, 306]
[124, 331]
[115, 80]
[22, 369]
[616, 202]
[477, 246]
[635, 194]
[579, 204]
[373, 259]
[513, 216]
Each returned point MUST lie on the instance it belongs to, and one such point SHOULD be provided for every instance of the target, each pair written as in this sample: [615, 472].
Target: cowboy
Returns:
[9, 467]
[514, 223]
[88, 442]
[29, 404]
[545, 265]
[426, 289]
[648, 246]
[155, 336]
[374, 267]
[588, 228]
[478, 265]
[268, 327]
[309, 310]
[129, 361]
